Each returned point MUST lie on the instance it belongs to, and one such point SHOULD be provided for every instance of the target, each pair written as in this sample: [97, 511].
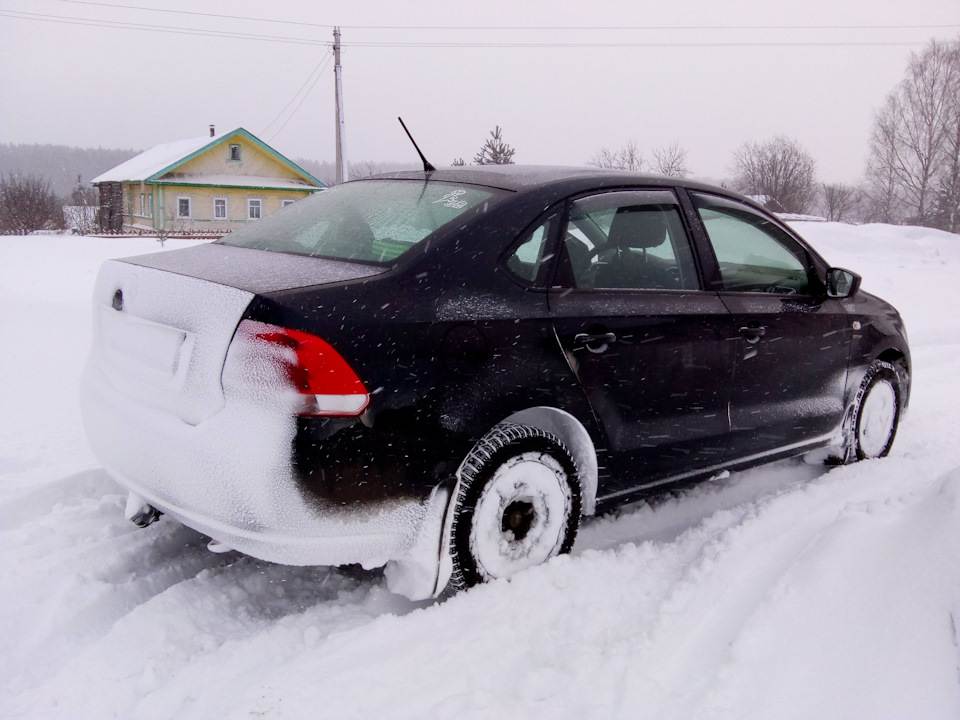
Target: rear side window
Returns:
[529, 260]
[372, 221]
[754, 254]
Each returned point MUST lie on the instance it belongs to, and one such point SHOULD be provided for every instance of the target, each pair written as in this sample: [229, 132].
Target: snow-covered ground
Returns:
[790, 591]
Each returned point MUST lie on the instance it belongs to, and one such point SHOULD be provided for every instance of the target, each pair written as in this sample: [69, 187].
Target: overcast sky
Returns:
[561, 78]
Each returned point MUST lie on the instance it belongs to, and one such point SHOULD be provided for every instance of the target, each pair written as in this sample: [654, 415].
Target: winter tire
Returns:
[875, 414]
[518, 505]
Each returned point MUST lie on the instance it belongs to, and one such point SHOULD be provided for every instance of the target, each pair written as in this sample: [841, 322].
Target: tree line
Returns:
[912, 174]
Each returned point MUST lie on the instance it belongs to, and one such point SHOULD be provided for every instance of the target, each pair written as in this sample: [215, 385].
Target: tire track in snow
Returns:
[100, 592]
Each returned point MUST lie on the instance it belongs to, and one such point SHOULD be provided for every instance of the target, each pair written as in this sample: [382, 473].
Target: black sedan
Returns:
[441, 372]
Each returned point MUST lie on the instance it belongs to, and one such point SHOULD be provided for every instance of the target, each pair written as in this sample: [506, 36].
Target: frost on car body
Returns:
[201, 426]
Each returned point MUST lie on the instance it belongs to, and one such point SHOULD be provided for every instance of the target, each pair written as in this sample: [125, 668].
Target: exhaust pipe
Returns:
[139, 511]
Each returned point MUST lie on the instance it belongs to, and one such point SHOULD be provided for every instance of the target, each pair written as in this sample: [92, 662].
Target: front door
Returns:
[792, 341]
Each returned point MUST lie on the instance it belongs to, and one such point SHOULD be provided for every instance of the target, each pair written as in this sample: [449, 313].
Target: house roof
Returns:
[153, 164]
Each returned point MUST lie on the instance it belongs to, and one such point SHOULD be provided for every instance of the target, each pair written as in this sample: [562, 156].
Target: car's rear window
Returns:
[373, 221]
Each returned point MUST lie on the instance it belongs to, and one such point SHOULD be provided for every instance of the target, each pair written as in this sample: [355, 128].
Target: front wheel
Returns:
[875, 414]
[518, 505]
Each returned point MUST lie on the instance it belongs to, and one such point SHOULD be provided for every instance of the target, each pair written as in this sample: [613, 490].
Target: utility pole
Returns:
[341, 154]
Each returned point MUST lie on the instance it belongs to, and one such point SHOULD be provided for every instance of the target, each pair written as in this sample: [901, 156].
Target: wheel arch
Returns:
[575, 437]
[901, 364]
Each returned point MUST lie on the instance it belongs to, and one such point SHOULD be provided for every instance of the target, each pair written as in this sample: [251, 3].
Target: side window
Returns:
[628, 240]
[184, 207]
[528, 259]
[754, 254]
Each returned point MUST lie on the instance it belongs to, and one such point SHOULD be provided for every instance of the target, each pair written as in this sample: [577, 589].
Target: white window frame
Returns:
[254, 203]
[226, 208]
[146, 205]
[189, 200]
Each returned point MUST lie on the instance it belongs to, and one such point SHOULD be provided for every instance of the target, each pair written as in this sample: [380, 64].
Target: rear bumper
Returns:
[231, 477]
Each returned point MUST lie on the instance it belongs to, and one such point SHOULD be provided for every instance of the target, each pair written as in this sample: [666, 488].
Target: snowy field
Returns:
[790, 591]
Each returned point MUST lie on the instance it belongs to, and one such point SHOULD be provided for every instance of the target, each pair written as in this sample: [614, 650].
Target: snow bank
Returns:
[788, 591]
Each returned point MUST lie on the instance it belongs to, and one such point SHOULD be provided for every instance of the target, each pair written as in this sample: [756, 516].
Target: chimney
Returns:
[212, 131]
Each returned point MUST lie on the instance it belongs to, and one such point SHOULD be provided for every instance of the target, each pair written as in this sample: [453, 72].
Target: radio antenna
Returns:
[427, 167]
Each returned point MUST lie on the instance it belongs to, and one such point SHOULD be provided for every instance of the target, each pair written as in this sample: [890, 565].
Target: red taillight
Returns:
[317, 371]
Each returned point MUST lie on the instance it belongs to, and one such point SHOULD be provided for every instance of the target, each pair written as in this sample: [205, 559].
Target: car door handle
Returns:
[591, 339]
[752, 334]
[594, 342]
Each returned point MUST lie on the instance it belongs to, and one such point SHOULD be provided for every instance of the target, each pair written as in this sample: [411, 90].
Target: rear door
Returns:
[651, 349]
[792, 341]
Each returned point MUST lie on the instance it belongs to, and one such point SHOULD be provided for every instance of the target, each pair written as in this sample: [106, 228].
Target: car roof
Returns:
[528, 177]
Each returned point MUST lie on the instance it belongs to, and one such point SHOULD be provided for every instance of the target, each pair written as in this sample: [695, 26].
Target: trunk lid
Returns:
[162, 323]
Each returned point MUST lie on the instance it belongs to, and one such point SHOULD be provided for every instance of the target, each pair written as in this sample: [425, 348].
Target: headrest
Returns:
[638, 227]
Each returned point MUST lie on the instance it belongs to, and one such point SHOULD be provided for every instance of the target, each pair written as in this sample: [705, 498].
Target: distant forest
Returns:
[61, 164]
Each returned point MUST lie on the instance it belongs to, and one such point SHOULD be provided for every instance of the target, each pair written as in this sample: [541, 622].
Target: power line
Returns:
[195, 13]
[425, 44]
[316, 79]
[523, 28]
[158, 28]
[467, 44]
[591, 28]
[633, 44]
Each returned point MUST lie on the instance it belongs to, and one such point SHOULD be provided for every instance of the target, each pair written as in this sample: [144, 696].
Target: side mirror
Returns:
[842, 283]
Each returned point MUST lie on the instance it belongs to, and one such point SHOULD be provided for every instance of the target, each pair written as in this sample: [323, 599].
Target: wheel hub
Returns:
[517, 519]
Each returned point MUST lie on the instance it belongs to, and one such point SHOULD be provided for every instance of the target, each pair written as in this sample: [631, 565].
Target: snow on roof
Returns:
[151, 164]
[787, 217]
[155, 159]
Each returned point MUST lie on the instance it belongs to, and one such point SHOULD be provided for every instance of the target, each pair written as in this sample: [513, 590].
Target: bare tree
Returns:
[458, 162]
[364, 169]
[627, 157]
[840, 202]
[947, 212]
[670, 160]
[495, 151]
[779, 169]
[27, 204]
[912, 172]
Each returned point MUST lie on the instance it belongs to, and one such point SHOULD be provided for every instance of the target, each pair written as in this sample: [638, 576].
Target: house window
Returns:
[254, 208]
[184, 207]
[146, 205]
[287, 201]
[219, 208]
[235, 153]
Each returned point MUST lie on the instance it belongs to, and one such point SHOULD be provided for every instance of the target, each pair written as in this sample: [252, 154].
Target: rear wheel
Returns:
[518, 505]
